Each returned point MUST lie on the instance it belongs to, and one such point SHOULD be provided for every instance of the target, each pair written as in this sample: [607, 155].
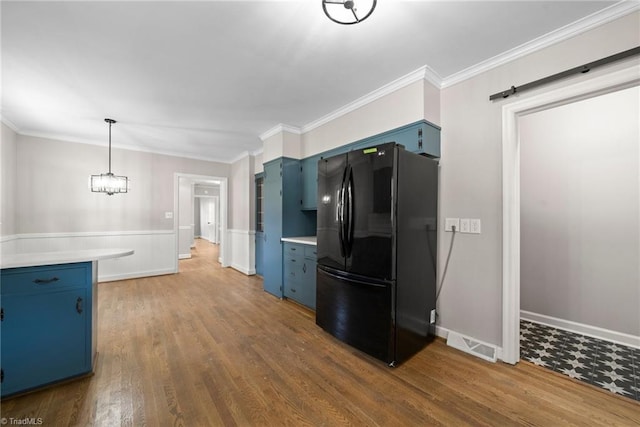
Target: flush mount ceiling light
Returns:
[348, 12]
[108, 182]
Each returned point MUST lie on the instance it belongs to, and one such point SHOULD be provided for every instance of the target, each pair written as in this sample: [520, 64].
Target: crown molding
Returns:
[585, 24]
[74, 140]
[240, 157]
[257, 152]
[9, 124]
[281, 127]
[422, 73]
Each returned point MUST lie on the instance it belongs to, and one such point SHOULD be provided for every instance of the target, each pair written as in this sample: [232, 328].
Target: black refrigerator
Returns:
[377, 243]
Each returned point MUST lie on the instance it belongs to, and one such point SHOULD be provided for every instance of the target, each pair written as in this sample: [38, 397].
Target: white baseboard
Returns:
[136, 275]
[184, 256]
[580, 328]
[242, 269]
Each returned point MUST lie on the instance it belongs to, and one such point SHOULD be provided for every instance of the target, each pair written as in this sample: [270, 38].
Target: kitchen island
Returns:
[49, 317]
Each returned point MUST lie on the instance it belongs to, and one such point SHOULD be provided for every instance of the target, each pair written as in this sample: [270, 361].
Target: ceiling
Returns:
[205, 79]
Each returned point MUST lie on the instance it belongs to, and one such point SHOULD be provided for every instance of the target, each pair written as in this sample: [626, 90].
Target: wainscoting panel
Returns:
[242, 244]
[154, 251]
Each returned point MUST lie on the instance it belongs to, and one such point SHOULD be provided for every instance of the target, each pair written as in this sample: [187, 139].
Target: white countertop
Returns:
[60, 257]
[304, 240]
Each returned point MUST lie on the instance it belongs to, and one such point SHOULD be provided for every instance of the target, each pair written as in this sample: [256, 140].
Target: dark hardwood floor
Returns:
[208, 347]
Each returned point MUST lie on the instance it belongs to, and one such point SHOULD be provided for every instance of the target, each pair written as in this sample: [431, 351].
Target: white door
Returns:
[208, 219]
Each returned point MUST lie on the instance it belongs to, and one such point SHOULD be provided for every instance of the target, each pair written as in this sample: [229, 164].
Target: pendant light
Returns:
[108, 182]
[346, 12]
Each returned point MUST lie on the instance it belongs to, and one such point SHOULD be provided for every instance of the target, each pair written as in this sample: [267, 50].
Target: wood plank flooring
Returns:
[208, 347]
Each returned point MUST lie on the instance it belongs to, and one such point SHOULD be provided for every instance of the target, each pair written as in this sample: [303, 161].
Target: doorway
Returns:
[511, 114]
[185, 186]
[207, 211]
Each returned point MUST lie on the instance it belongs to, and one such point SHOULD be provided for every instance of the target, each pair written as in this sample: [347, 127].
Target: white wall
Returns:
[417, 101]
[8, 159]
[53, 201]
[281, 144]
[242, 215]
[580, 212]
[471, 182]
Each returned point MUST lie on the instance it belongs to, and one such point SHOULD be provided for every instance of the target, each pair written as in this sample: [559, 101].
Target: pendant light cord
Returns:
[109, 147]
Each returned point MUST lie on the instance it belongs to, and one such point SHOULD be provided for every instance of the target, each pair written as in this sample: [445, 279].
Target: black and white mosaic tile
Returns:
[611, 366]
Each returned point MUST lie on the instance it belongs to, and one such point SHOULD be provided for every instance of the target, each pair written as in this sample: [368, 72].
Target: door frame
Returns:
[600, 85]
[223, 201]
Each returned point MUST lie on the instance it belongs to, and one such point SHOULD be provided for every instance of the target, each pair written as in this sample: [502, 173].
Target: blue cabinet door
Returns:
[308, 289]
[309, 172]
[44, 338]
[272, 249]
[259, 253]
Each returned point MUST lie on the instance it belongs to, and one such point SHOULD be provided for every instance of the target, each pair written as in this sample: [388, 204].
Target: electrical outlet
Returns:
[449, 223]
[432, 317]
[464, 225]
[168, 215]
[476, 226]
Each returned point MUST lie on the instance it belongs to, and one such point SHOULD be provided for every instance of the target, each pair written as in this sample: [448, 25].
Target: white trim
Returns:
[224, 206]
[91, 234]
[613, 81]
[242, 251]
[423, 73]
[153, 250]
[581, 328]
[280, 127]
[137, 274]
[585, 24]
[9, 238]
[76, 140]
[240, 157]
[9, 124]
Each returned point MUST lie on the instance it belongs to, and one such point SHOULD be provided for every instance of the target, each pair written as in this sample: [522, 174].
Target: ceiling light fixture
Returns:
[345, 11]
[108, 182]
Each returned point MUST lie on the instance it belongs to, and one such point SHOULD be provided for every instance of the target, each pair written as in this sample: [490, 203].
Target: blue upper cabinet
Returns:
[421, 137]
[309, 174]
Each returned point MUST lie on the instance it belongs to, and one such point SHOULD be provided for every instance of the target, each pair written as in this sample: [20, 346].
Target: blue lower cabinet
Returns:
[299, 268]
[259, 256]
[46, 325]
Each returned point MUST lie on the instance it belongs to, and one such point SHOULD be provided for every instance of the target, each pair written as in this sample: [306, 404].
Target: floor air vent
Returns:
[472, 346]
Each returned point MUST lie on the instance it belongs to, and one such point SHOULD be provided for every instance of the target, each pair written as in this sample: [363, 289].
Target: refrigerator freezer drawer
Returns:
[356, 312]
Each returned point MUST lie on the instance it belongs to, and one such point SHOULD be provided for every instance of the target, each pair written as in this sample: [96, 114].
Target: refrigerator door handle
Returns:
[350, 211]
[351, 279]
[341, 203]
